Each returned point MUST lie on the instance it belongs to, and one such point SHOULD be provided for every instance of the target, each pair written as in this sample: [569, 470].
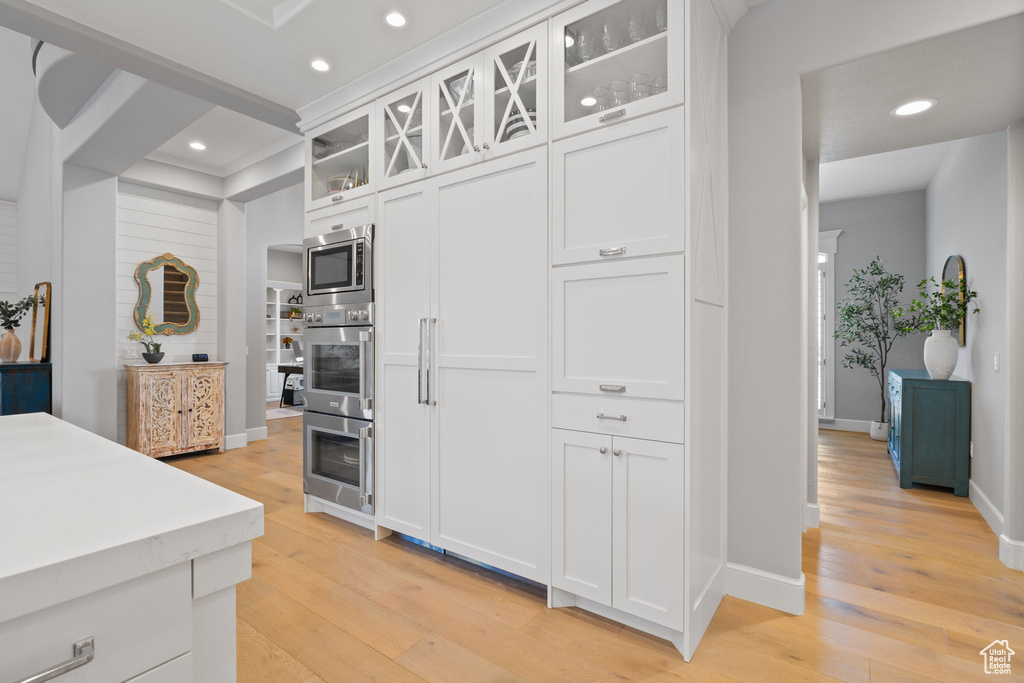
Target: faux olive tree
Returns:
[866, 321]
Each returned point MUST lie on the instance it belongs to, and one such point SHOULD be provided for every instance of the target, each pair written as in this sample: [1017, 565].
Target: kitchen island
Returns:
[107, 552]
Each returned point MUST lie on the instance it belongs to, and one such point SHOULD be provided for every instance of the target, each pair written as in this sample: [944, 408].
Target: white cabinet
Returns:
[617, 328]
[613, 60]
[618, 192]
[458, 114]
[617, 524]
[464, 273]
[339, 165]
[404, 142]
[348, 214]
[516, 92]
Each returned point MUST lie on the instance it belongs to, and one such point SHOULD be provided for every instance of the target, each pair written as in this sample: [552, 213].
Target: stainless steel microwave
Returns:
[338, 266]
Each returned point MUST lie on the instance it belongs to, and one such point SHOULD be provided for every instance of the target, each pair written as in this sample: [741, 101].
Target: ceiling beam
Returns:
[34, 21]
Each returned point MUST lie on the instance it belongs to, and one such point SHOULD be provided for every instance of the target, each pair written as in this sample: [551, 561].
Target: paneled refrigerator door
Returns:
[647, 534]
[516, 87]
[613, 60]
[403, 317]
[581, 514]
[458, 114]
[405, 134]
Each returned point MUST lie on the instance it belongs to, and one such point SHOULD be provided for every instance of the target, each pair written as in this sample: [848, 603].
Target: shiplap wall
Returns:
[8, 250]
[151, 223]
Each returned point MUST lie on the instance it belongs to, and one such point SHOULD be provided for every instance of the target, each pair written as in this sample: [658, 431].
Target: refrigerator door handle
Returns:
[419, 364]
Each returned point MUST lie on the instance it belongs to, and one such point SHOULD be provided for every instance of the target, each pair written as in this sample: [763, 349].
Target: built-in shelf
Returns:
[342, 153]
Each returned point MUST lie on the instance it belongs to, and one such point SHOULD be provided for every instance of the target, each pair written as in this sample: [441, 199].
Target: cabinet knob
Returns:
[487, 145]
[616, 451]
[602, 450]
[423, 165]
[476, 148]
[190, 410]
[179, 412]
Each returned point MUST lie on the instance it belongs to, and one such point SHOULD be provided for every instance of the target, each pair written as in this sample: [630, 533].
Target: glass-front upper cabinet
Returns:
[515, 83]
[458, 118]
[405, 133]
[339, 164]
[613, 60]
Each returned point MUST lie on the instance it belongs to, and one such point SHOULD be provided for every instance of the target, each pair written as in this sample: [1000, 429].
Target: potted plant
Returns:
[939, 312]
[152, 354]
[866, 324]
[296, 312]
[10, 317]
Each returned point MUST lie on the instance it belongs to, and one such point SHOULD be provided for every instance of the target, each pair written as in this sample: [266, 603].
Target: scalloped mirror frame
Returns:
[145, 293]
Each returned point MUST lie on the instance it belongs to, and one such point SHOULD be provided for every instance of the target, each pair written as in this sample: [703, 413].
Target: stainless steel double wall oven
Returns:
[338, 367]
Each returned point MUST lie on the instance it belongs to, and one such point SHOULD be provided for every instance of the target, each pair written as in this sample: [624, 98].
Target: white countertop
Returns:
[79, 513]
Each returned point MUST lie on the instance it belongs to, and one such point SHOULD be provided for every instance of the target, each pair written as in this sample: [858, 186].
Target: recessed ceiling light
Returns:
[396, 19]
[404, 108]
[588, 101]
[320, 65]
[196, 145]
[913, 107]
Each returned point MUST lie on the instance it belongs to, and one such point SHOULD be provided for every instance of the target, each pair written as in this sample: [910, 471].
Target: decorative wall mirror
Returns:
[167, 291]
[954, 270]
[39, 346]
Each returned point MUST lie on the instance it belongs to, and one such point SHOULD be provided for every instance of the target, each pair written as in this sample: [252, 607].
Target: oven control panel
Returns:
[339, 315]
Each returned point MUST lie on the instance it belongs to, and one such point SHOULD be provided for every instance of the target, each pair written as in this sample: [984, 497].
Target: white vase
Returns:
[879, 430]
[940, 354]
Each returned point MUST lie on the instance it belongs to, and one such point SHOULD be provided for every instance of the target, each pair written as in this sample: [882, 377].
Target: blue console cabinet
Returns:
[25, 388]
[930, 429]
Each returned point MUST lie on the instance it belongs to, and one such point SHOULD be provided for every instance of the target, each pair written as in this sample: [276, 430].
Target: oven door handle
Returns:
[365, 337]
[364, 436]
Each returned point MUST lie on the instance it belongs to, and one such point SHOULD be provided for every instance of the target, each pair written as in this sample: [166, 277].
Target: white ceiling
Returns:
[232, 141]
[976, 74]
[903, 170]
[16, 97]
[230, 44]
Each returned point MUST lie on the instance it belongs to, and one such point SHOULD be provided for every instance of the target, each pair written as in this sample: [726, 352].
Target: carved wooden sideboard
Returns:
[175, 408]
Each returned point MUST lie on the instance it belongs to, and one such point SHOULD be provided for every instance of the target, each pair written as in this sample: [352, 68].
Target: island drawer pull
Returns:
[602, 416]
[617, 251]
[614, 388]
[82, 652]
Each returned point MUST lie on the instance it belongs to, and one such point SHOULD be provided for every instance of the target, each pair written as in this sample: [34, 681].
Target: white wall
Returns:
[8, 250]
[893, 227]
[770, 47]
[284, 266]
[274, 219]
[967, 216]
[151, 223]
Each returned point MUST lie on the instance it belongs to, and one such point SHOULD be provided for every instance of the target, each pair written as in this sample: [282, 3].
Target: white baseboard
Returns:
[846, 425]
[235, 441]
[257, 434]
[1011, 552]
[812, 516]
[993, 516]
[771, 590]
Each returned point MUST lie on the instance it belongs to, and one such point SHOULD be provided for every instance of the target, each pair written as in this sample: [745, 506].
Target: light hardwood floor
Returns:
[901, 585]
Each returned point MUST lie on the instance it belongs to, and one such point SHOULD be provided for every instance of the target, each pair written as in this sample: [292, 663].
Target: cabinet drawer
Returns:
[654, 420]
[178, 670]
[348, 214]
[136, 625]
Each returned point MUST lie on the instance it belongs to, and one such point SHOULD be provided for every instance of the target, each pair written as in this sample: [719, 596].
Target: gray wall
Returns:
[967, 215]
[893, 227]
[274, 219]
[284, 266]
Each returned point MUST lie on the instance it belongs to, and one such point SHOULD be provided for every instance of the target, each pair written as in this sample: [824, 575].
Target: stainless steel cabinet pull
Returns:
[611, 115]
[602, 416]
[616, 451]
[431, 331]
[339, 226]
[614, 388]
[365, 402]
[419, 365]
[82, 653]
[336, 198]
[612, 252]
[602, 450]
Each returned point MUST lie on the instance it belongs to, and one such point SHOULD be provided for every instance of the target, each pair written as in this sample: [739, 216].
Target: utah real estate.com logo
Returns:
[997, 657]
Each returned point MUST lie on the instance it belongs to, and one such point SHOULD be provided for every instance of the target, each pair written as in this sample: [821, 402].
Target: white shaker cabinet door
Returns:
[346, 215]
[581, 514]
[618, 328]
[491, 381]
[647, 510]
[403, 424]
[619, 192]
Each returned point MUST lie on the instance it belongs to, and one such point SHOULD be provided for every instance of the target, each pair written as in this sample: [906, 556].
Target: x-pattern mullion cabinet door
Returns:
[458, 114]
[405, 133]
[516, 87]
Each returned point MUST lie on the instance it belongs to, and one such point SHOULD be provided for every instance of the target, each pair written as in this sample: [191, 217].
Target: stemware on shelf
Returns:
[588, 39]
[661, 15]
[659, 85]
[639, 92]
[641, 19]
[619, 92]
[614, 32]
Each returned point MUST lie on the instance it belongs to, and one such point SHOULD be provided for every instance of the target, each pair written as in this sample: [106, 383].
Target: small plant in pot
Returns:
[11, 314]
[940, 312]
[152, 354]
[866, 325]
